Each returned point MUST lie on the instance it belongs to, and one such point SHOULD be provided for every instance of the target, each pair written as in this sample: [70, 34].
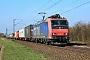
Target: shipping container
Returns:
[17, 34]
[44, 29]
[28, 31]
[8, 36]
[11, 36]
[22, 33]
[34, 30]
[40, 30]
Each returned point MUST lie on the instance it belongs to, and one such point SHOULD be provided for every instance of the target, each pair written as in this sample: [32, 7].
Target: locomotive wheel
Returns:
[36, 40]
[46, 42]
[52, 43]
[68, 41]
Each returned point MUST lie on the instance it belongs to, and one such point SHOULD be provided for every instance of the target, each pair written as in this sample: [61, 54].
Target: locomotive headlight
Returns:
[50, 37]
[66, 33]
[53, 33]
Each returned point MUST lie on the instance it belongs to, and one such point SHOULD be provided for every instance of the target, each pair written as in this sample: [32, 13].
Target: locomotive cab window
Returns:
[59, 23]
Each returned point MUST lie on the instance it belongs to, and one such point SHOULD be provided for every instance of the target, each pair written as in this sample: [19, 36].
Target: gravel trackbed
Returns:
[58, 52]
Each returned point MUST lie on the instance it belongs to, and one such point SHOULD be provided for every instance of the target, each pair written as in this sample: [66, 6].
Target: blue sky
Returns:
[27, 10]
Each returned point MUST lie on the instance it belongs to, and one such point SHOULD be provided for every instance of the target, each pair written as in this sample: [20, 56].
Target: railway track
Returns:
[56, 52]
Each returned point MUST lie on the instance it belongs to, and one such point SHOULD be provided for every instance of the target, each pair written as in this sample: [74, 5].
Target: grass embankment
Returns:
[15, 51]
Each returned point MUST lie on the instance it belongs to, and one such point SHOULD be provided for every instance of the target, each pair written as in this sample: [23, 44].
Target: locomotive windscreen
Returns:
[59, 23]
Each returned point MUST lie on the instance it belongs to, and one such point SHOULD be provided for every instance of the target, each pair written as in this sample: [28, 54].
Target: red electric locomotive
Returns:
[58, 29]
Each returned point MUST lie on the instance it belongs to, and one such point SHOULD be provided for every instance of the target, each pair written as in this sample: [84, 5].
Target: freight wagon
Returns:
[10, 36]
[22, 34]
[25, 33]
[28, 32]
[40, 32]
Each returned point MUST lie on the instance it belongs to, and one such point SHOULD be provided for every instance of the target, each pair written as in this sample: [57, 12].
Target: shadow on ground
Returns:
[68, 44]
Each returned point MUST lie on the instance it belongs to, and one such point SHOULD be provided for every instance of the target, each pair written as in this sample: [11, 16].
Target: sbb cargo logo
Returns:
[34, 31]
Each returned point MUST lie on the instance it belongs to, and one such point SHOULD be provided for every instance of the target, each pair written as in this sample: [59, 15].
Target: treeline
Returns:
[80, 32]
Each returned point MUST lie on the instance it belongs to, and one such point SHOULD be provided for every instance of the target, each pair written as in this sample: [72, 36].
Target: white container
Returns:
[22, 33]
[10, 35]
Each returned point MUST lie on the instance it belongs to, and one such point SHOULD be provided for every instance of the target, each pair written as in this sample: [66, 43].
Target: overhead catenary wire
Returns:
[47, 8]
[39, 10]
[53, 4]
[75, 7]
[56, 4]
[66, 6]
[70, 4]
[44, 5]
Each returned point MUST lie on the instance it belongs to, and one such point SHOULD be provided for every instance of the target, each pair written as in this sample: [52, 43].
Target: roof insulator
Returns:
[55, 16]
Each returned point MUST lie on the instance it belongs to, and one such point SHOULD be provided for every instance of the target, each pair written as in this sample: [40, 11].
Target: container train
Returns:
[53, 29]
